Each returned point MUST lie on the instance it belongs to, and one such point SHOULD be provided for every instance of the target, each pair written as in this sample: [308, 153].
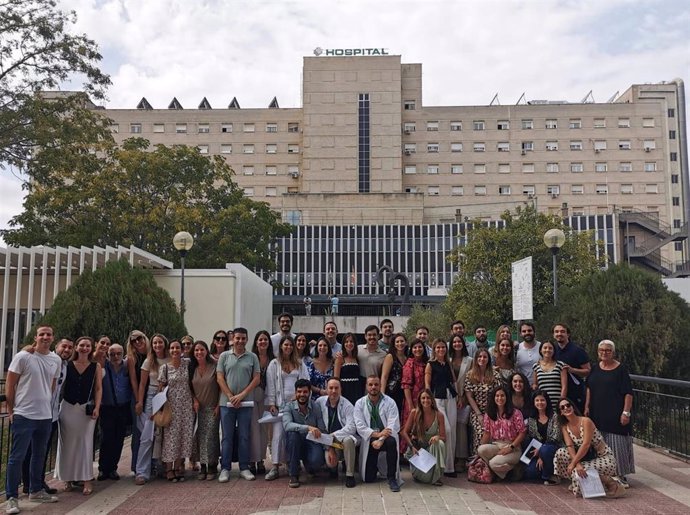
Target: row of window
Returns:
[554, 190]
[249, 148]
[202, 128]
[528, 146]
[649, 166]
[292, 170]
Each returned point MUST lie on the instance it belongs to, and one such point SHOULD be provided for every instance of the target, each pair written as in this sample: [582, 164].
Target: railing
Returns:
[662, 413]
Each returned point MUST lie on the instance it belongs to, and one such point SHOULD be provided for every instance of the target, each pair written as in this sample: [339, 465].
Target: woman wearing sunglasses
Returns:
[219, 344]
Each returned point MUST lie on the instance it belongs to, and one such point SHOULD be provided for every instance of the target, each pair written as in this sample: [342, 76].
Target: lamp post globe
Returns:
[554, 240]
[182, 241]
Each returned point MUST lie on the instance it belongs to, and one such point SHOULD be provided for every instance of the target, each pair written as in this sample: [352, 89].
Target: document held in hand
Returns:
[527, 455]
[423, 460]
[591, 486]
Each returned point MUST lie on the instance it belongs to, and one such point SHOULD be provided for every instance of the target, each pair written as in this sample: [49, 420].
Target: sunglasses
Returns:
[565, 406]
[134, 340]
[220, 338]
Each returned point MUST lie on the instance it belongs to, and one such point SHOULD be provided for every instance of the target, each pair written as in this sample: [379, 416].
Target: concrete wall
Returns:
[679, 285]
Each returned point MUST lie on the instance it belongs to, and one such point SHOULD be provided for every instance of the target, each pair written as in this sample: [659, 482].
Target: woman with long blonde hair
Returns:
[480, 380]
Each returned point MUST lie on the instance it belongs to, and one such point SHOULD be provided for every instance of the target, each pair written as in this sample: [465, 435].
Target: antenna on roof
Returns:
[144, 104]
[613, 97]
[234, 104]
[174, 104]
[204, 104]
[496, 100]
[589, 98]
[274, 103]
[522, 100]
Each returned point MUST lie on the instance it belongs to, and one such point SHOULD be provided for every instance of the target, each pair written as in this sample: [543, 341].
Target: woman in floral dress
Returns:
[480, 380]
[413, 376]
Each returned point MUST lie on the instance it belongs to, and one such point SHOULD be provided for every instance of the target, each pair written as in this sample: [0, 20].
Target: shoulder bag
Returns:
[478, 471]
[163, 416]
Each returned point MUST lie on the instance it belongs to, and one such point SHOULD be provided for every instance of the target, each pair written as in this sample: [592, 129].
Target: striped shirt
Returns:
[550, 381]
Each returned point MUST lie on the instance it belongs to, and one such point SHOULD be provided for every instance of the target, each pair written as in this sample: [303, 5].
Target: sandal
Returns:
[69, 486]
[87, 490]
[170, 475]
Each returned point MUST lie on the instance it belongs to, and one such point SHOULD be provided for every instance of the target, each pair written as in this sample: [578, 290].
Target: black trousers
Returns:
[27, 459]
[371, 468]
[113, 421]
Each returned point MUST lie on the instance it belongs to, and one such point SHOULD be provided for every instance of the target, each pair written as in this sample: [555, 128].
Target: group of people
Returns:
[317, 403]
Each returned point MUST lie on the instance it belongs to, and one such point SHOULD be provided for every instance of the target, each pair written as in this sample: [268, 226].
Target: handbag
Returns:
[90, 405]
[478, 471]
[163, 416]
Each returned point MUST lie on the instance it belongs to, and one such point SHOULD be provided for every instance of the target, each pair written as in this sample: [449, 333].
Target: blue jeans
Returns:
[546, 453]
[27, 432]
[136, 435]
[301, 449]
[229, 418]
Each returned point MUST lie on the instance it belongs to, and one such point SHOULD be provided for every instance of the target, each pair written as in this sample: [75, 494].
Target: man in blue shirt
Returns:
[577, 363]
[300, 418]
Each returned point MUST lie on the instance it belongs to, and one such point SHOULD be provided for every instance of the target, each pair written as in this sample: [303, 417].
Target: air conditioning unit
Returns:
[408, 152]
[554, 195]
[294, 175]
[524, 153]
[647, 149]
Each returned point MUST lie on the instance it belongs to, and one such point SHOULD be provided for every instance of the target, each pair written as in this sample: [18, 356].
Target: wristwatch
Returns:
[627, 414]
[512, 447]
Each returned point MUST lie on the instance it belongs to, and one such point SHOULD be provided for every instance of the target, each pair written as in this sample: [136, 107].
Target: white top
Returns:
[275, 340]
[35, 387]
[525, 358]
[153, 374]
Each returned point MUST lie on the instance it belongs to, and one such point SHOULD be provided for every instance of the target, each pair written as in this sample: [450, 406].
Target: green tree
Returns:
[38, 53]
[134, 195]
[648, 323]
[113, 300]
[437, 319]
[482, 292]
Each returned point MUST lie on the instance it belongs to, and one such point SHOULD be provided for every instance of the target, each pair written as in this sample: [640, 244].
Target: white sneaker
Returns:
[224, 476]
[12, 505]
[42, 496]
[272, 474]
[246, 474]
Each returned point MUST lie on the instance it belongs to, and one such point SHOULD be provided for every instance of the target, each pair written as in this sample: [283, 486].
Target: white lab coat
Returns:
[388, 411]
[346, 416]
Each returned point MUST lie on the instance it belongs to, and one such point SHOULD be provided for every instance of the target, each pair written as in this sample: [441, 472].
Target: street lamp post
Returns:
[554, 239]
[182, 241]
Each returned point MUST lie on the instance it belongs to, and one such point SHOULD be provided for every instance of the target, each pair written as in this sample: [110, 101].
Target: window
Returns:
[432, 126]
[432, 147]
[432, 169]
[553, 189]
[248, 192]
[115, 128]
[409, 127]
[577, 189]
[248, 127]
[271, 191]
[551, 145]
[674, 156]
[552, 167]
[411, 189]
[577, 167]
[647, 122]
[456, 126]
[503, 168]
[503, 125]
[575, 123]
[674, 178]
[409, 105]
[456, 147]
[551, 123]
[247, 170]
[158, 128]
[271, 170]
[248, 149]
[627, 189]
[478, 147]
[578, 211]
[410, 148]
[503, 146]
[271, 127]
[271, 148]
[600, 123]
[480, 190]
[599, 145]
[433, 190]
[651, 188]
[602, 189]
[293, 217]
[649, 144]
[527, 167]
[678, 245]
[203, 128]
[225, 127]
[625, 167]
[624, 123]
[181, 128]
[135, 128]
[671, 112]
[457, 190]
[624, 144]
[671, 134]
[478, 125]
[650, 166]
[409, 169]
[226, 149]
[601, 167]
[527, 146]
[293, 127]
[293, 171]
[455, 169]
[504, 190]
[480, 168]
[575, 145]
[527, 124]
[528, 189]
[293, 149]
[675, 201]
[203, 149]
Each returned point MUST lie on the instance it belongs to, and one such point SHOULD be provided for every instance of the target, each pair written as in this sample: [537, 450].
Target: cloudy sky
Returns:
[469, 49]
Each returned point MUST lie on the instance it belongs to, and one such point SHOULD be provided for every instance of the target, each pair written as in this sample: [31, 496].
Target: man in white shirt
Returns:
[285, 321]
[527, 353]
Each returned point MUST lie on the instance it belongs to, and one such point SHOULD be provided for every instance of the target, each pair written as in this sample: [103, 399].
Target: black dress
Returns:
[607, 391]
[394, 387]
[350, 382]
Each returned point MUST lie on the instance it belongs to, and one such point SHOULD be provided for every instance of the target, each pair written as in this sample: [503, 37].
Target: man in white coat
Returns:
[338, 415]
[378, 424]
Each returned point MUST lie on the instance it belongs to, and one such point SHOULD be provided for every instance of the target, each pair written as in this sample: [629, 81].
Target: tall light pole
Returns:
[554, 239]
[182, 241]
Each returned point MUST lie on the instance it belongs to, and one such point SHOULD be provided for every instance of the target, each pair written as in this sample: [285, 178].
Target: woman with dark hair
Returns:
[83, 383]
[549, 374]
[480, 380]
[202, 376]
[425, 429]
[263, 349]
[521, 394]
[413, 376]
[584, 449]
[346, 369]
[219, 344]
[543, 427]
[461, 363]
[392, 370]
[504, 431]
[503, 359]
[301, 348]
[320, 368]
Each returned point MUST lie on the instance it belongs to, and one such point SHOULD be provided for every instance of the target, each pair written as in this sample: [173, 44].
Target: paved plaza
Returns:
[661, 485]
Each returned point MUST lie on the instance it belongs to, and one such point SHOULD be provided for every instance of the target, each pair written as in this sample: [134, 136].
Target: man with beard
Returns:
[577, 363]
[422, 334]
[481, 338]
[285, 329]
[301, 417]
[527, 350]
[330, 331]
[386, 340]
[378, 424]
[370, 356]
[457, 328]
